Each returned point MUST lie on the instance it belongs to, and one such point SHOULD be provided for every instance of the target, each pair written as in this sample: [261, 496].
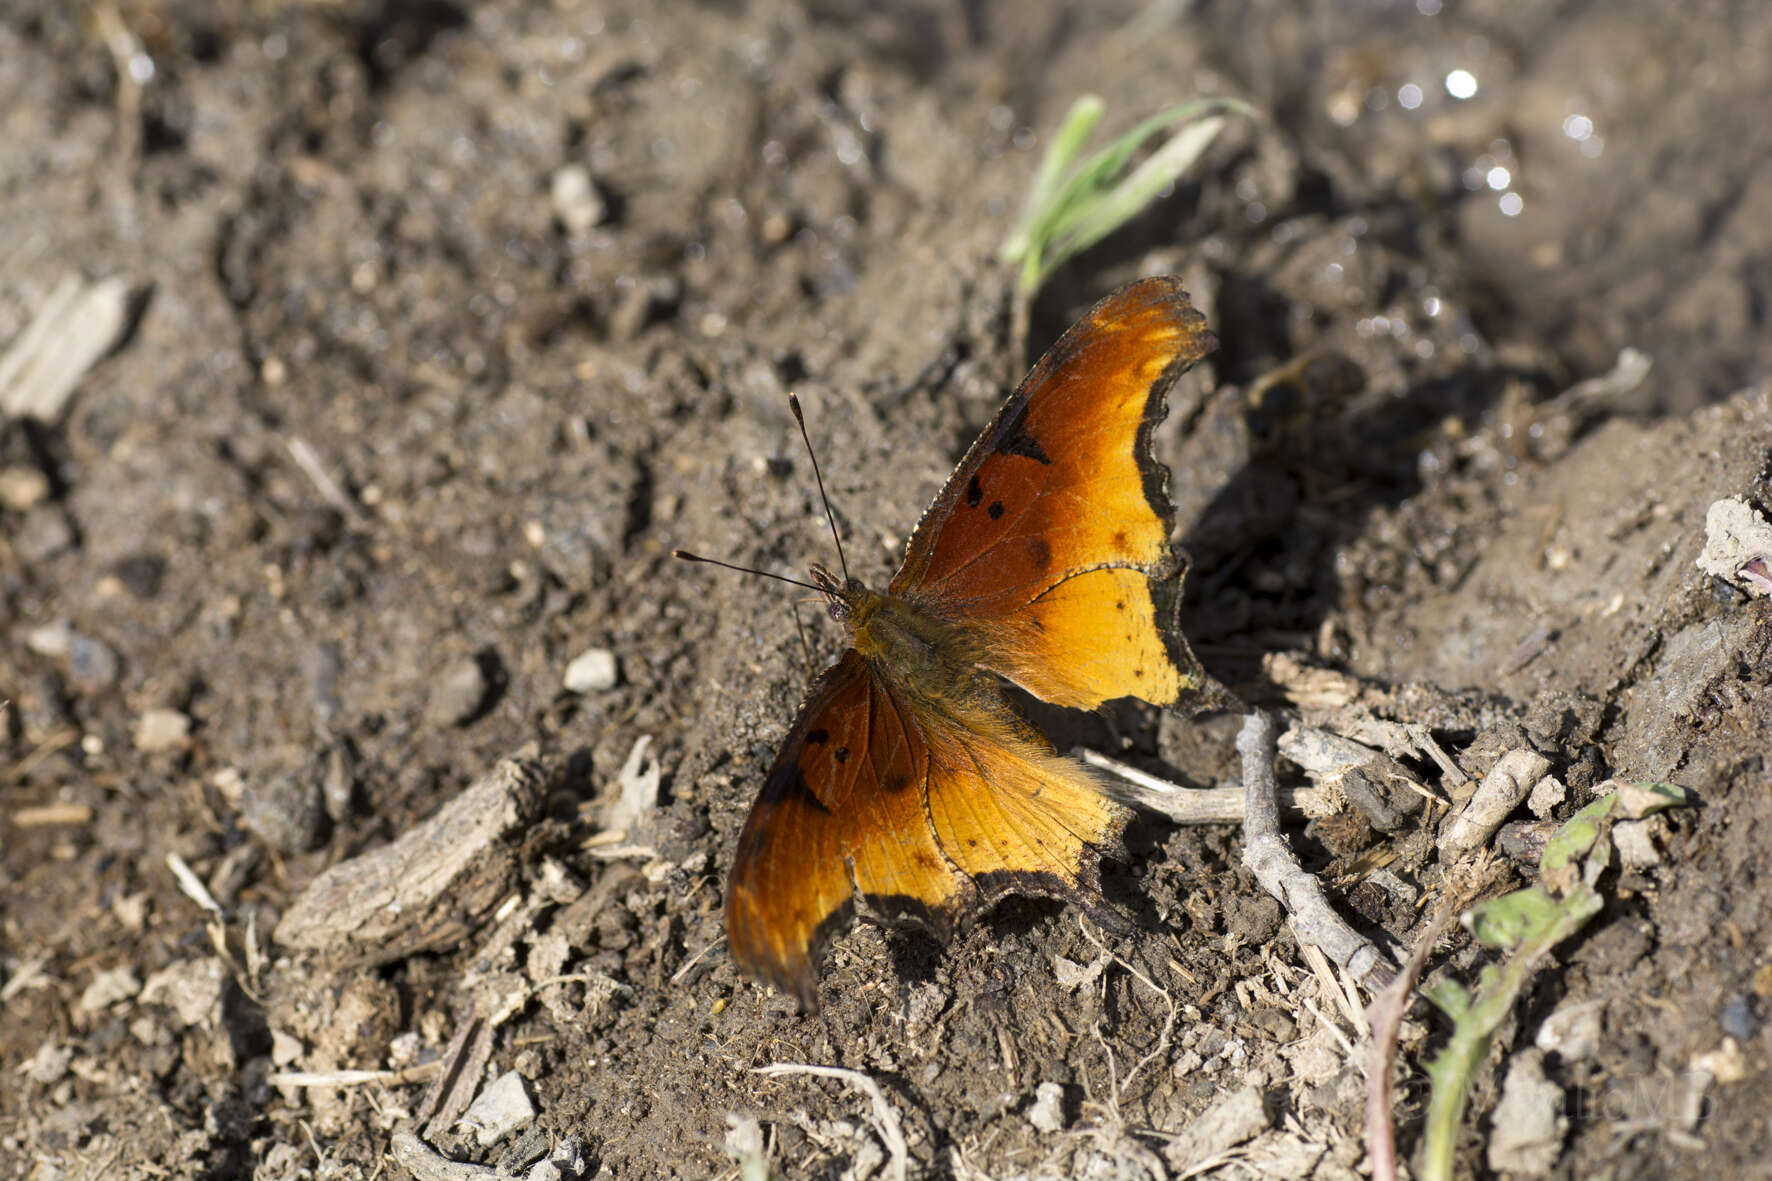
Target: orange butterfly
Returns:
[909, 781]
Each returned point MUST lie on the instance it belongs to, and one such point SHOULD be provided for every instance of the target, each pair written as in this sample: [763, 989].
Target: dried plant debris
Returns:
[1182, 804]
[1503, 789]
[1738, 546]
[431, 887]
[77, 325]
[1270, 859]
[629, 819]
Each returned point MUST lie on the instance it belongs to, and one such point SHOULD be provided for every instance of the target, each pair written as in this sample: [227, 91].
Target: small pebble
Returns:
[48, 1064]
[42, 535]
[193, 989]
[502, 1108]
[1546, 795]
[577, 202]
[458, 695]
[285, 1048]
[592, 671]
[141, 573]
[570, 1156]
[1529, 1125]
[1738, 1018]
[54, 640]
[150, 1031]
[92, 665]
[162, 730]
[1572, 1032]
[109, 987]
[285, 811]
[22, 488]
[1047, 1112]
[1635, 844]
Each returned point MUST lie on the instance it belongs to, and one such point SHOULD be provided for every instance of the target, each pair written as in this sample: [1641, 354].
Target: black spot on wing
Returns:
[974, 493]
[1013, 438]
[996, 509]
[795, 785]
[842, 754]
[1025, 445]
[818, 737]
[1039, 553]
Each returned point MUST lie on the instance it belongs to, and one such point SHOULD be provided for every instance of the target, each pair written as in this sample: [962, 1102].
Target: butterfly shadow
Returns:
[1264, 549]
[1110, 730]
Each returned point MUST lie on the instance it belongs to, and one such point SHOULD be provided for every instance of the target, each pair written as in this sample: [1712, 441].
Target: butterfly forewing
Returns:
[1059, 490]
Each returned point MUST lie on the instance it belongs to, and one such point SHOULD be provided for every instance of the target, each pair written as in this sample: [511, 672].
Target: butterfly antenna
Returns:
[686, 556]
[794, 404]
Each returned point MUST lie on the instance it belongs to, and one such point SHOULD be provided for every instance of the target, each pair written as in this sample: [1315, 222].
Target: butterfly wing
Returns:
[924, 817]
[1049, 544]
[841, 813]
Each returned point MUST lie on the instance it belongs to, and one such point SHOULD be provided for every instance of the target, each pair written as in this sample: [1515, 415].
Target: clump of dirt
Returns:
[452, 320]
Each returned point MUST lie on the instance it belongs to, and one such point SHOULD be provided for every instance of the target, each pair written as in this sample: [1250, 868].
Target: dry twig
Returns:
[1268, 856]
[1195, 805]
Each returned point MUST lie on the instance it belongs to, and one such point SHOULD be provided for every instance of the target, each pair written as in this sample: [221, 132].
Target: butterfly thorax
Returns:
[926, 658]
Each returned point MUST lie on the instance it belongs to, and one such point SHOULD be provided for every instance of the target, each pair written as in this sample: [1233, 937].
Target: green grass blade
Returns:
[1079, 121]
[1125, 200]
[1071, 208]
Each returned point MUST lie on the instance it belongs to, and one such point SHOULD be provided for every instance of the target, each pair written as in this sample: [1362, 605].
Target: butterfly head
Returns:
[840, 595]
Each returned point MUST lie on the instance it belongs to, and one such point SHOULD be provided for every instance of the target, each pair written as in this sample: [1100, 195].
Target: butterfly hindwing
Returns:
[841, 812]
[1014, 816]
[1050, 539]
[926, 817]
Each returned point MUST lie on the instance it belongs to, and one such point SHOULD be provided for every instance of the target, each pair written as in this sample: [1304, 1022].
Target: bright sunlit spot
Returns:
[1461, 84]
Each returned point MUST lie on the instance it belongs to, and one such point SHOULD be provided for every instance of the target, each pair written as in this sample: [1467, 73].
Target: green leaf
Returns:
[1079, 121]
[1449, 996]
[1528, 924]
[1576, 837]
[1507, 921]
[1075, 204]
[1646, 799]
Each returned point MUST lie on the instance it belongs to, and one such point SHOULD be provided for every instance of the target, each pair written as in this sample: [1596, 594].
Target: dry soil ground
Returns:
[405, 422]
